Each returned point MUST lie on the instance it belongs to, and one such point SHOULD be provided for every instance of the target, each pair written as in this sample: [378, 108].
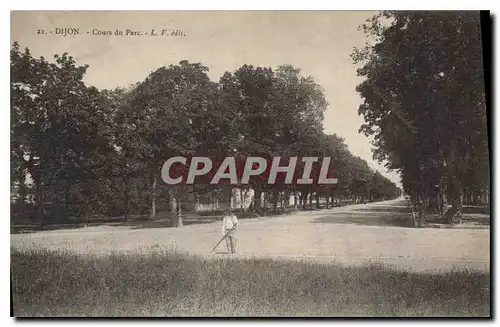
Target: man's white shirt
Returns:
[228, 222]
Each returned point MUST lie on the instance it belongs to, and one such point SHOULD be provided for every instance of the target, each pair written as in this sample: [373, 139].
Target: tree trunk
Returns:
[414, 210]
[176, 207]
[66, 205]
[443, 191]
[421, 197]
[22, 191]
[274, 199]
[422, 214]
[286, 196]
[302, 200]
[420, 211]
[153, 198]
[442, 200]
[39, 201]
[126, 192]
[465, 192]
[172, 202]
[233, 198]
[454, 214]
[257, 197]
[179, 212]
[245, 208]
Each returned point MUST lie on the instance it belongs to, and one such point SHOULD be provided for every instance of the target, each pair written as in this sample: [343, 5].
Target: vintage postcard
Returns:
[249, 164]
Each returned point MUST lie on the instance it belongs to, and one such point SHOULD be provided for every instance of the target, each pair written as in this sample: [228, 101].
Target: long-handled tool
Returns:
[223, 237]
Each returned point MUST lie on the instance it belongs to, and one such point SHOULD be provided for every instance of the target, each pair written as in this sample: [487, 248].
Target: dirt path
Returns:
[350, 235]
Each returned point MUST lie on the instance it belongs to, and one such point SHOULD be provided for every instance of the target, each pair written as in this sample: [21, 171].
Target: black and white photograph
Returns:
[250, 163]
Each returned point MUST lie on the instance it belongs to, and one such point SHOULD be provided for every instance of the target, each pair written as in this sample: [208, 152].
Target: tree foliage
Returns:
[424, 104]
[99, 153]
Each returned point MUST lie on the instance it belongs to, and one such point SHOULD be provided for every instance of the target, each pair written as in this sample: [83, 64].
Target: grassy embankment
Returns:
[47, 283]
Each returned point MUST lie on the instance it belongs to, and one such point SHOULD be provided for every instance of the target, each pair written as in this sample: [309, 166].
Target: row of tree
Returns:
[424, 105]
[78, 152]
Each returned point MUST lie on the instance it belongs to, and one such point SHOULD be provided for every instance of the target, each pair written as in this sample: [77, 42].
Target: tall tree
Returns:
[175, 111]
[424, 121]
[60, 138]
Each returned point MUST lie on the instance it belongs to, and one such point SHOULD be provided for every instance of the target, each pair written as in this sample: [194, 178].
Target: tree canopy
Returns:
[424, 105]
[85, 153]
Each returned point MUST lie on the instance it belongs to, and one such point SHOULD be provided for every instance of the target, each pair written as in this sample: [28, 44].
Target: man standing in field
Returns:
[229, 223]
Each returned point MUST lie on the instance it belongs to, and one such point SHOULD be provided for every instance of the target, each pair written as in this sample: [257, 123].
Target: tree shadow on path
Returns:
[401, 216]
[368, 219]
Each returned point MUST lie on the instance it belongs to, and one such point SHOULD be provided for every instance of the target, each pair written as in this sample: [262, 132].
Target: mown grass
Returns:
[48, 283]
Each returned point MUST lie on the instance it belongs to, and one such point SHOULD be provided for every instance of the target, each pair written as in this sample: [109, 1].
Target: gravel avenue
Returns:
[347, 237]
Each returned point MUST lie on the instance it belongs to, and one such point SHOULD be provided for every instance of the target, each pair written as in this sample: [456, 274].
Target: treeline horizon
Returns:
[93, 153]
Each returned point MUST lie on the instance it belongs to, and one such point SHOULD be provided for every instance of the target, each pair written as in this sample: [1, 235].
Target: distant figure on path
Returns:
[229, 223]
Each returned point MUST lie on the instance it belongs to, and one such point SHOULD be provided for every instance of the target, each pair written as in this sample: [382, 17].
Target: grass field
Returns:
[160, 283]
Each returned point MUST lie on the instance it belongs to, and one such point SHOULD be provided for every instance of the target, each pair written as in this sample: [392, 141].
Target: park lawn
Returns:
[161, 283]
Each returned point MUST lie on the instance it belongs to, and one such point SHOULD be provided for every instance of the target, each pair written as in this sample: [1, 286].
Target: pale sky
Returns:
[317, 42]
